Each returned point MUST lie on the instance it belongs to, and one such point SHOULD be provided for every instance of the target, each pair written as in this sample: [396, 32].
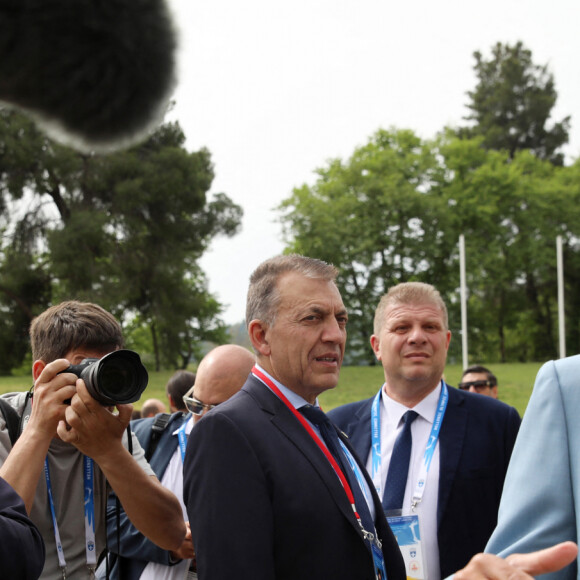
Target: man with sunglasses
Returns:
[220, 374]
[478, 379]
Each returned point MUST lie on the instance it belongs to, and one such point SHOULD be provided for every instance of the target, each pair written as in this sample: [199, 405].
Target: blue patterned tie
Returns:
[399, 466]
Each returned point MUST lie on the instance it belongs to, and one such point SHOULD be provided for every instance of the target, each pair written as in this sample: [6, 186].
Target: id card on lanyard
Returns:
[406, 527]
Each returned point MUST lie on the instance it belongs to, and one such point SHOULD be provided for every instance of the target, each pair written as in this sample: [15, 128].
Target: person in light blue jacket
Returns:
[540, 504]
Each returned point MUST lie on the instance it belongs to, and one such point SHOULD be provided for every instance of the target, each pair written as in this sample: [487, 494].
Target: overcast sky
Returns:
[276, 89]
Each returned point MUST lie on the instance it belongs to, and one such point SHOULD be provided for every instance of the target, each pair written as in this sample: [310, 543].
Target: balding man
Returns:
[152, 407]
[220, 374]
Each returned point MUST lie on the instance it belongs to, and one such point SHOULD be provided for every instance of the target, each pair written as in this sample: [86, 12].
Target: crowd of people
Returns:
[247, 477]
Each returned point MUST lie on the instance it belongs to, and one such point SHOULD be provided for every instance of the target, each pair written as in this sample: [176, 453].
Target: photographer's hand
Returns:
[93, 429]
[25, 462]
[52, 391]
[97, 432]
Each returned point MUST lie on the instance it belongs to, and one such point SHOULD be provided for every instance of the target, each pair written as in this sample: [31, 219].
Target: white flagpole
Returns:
[463, 294]
[561, 318]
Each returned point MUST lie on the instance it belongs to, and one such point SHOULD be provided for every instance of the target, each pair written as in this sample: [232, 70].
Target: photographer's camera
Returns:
[117, 378]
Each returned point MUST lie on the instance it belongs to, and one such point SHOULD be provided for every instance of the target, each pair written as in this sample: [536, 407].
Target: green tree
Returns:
[125, 230]
[376, 219]
[568, 182]
[512, 104]
[510, 211]
[394, 210]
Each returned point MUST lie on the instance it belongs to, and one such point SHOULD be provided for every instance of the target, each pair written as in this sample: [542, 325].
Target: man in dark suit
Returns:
[456, 498]
[271, 494]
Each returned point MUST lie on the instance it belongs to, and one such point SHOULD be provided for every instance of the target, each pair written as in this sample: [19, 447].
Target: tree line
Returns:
[124, 230]
[127, 230]
[394, 210]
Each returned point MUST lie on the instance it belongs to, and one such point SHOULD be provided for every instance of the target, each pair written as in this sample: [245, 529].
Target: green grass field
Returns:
[515, 384]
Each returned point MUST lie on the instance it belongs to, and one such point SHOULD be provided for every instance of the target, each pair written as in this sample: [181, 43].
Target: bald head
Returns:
[222, 372]
[151, 407]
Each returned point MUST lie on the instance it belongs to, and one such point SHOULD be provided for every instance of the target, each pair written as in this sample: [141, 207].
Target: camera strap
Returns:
[159, 425]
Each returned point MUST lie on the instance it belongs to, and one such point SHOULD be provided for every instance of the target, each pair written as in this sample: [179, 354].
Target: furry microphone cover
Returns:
[95, 74]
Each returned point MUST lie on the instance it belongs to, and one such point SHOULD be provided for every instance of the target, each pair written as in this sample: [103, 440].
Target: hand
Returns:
[519, 566]
[51, 390]
[93, 429]
[185, 551]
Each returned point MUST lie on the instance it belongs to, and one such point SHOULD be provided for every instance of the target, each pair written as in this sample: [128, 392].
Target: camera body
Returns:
[117, 378]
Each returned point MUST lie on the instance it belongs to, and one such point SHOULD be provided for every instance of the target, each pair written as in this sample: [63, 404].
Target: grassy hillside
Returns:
[515, 384]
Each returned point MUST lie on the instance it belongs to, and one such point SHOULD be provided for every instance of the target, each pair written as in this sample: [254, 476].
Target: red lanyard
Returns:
[256, 372]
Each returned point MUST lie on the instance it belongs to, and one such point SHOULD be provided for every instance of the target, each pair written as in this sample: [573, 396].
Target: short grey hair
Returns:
[263, 296]
[409, 293]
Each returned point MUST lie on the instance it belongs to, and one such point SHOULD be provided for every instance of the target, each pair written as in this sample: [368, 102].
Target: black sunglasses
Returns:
[478, 385]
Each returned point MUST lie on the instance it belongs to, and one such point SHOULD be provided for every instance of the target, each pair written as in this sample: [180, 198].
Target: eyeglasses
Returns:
[196, 406]
[477, 385]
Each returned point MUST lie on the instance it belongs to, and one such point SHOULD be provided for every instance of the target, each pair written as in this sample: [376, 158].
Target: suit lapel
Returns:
[284, 420]
[360, 433]
[450, 446]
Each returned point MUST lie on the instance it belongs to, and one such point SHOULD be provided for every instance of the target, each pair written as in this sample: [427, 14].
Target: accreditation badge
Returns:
[379, 562]
[408, 534]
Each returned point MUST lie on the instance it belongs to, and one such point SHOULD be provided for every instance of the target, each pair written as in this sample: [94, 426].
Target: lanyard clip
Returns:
[368, 535]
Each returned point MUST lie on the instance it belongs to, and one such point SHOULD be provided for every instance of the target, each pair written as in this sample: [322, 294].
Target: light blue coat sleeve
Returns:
[538, 506]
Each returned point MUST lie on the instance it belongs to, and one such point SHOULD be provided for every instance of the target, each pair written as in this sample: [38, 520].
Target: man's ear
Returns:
[376, 346]
[257, 331]
[37, 368]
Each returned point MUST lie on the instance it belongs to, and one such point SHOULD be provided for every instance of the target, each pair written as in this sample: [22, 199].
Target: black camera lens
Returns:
[118, 377]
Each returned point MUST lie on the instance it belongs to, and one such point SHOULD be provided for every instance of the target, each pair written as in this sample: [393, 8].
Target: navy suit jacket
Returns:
[134, 551]
[21, 545]
[264, 503]
[476, 441]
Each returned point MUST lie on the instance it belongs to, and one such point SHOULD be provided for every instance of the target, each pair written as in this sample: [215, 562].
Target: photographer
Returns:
[72, 449]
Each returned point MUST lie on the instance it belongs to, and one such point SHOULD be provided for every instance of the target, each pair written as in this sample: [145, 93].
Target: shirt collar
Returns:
[295, 400]
[425, 408]
[188, 425]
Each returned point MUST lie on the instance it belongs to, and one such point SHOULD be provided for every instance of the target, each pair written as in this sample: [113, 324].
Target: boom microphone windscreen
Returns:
[95, 74]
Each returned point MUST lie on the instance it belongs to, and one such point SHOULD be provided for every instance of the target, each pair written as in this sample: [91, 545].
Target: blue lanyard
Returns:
[358, 474]
[89, 506]
[182, 438]
[429, 450]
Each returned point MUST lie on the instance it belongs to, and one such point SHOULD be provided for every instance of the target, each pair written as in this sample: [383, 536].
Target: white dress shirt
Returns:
[391, 414]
